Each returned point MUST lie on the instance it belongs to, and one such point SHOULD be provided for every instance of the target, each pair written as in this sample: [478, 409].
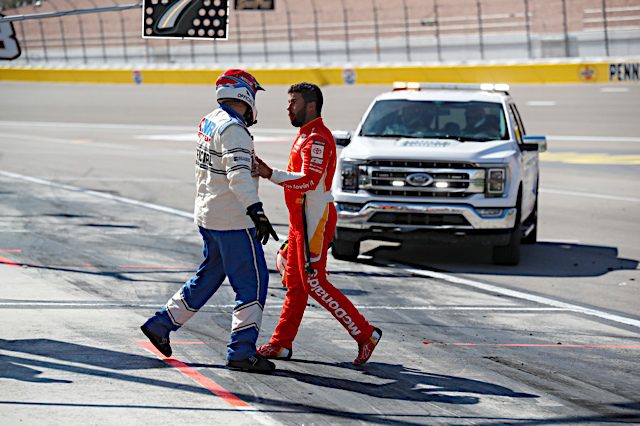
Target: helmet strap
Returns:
[248, 117]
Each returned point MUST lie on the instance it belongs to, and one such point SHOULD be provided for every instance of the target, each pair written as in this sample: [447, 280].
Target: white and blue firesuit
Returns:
[225, 188]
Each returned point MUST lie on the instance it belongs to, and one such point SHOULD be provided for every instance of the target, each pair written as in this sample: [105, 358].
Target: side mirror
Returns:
[341, 137]
[534, 143]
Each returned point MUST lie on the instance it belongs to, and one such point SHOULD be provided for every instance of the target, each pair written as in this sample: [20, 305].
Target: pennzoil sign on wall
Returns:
[9, 46]
[190, 19]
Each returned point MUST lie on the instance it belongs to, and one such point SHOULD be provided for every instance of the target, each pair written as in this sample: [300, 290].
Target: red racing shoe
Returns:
[365, 350]
[271, 351]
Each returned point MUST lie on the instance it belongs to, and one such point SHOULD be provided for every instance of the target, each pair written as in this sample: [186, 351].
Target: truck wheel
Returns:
[509, 254]
[532, 238]
[345, 250]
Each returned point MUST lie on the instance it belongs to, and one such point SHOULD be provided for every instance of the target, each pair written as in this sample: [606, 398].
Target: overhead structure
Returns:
[185, 19]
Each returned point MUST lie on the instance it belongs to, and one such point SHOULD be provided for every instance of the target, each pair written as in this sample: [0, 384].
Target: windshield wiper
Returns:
[466, 138]
[387, 135]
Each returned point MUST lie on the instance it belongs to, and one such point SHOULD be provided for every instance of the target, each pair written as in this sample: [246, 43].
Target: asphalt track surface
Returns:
[96, 188]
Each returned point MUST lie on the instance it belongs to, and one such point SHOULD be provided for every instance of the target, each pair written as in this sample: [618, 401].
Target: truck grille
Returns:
[423, 179]
[419, 219]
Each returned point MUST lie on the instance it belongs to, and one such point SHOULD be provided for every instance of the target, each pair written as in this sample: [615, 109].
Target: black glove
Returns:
[263, 226]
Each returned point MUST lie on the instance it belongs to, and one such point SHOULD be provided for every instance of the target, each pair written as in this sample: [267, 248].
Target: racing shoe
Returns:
[160, 342]
[272, 351]
[254, 364]
[366, 349]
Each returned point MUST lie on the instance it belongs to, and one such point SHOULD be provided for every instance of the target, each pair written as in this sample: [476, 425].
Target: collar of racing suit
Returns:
[306, 129]
[233, 113]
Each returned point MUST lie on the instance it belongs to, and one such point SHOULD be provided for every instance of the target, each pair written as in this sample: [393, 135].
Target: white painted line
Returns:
[192, 137]
[592, 138]
[110, 179]
[92, 305]
[98, 194]
[520, 295]
[182, 137]
[541, 103]
[430, 274]
[589, 195]
[103, 126]
[78, 142]
[143, 127]
[462, 308]
[614, 89]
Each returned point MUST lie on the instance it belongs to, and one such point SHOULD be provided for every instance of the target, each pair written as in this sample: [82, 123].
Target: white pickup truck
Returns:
[439, 163]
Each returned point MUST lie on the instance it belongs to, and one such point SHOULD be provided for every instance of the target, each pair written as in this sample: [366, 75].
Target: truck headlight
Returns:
[354, 176]
[496, 179]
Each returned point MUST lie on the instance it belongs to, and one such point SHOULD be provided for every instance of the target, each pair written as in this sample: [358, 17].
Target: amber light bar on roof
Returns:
[413, 85]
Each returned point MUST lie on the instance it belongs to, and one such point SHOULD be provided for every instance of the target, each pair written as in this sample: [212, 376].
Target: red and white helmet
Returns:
[239, 84]
[281, 258]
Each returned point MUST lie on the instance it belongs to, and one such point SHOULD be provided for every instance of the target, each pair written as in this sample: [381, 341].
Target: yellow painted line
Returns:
[593, 158]
[591, 72]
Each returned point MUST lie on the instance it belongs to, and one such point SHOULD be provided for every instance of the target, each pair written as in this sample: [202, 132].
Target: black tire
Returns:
[345, 250]
[532, 238]
[509, 254]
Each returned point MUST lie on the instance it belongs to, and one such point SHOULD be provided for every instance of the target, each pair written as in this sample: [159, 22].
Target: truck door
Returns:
[529, 165]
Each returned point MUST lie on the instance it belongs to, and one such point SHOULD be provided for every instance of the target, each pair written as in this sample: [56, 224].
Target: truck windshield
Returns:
[463, 121]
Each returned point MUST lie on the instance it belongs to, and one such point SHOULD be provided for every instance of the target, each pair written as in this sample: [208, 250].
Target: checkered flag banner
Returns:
[187, 19]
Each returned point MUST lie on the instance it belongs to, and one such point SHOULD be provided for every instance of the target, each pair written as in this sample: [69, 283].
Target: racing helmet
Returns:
[281, 258]
[240, 85]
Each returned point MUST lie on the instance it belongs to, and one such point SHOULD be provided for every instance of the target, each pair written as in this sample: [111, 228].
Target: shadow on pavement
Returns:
[407, 384]
[538, 260]
[403, 384]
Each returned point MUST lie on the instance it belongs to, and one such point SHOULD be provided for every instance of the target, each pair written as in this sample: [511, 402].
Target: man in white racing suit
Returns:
[232, 223]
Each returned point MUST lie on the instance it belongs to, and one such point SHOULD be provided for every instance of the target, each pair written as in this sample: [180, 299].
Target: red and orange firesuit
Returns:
[309, 174]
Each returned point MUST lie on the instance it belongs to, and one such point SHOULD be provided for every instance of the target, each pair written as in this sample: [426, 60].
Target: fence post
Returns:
[406, 30]
[82, 41]
[375, 28]
[528, 26]
[44, 40]
[480, 35]
[62, 36]
[239, 37]
[289, 35]
[24, 37]
[81, 28]
[346, 31]
[606, 27]
[264, 36]
[101, 25]
[124, 34]
[565, 28]
[437, 18]
[315, 30]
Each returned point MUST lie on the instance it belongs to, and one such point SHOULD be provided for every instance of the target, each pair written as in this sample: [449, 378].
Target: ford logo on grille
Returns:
[419, 179]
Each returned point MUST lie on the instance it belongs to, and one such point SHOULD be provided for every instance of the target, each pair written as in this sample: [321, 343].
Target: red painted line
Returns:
[562, 345]
[537, 345]
[7, 261]
[10, 251]
[155, 267]
[197, 377]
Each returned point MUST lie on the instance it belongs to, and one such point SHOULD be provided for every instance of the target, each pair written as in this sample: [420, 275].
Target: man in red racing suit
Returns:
[307, 190]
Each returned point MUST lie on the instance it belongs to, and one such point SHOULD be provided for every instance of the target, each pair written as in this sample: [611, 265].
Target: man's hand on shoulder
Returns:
[263, 226]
